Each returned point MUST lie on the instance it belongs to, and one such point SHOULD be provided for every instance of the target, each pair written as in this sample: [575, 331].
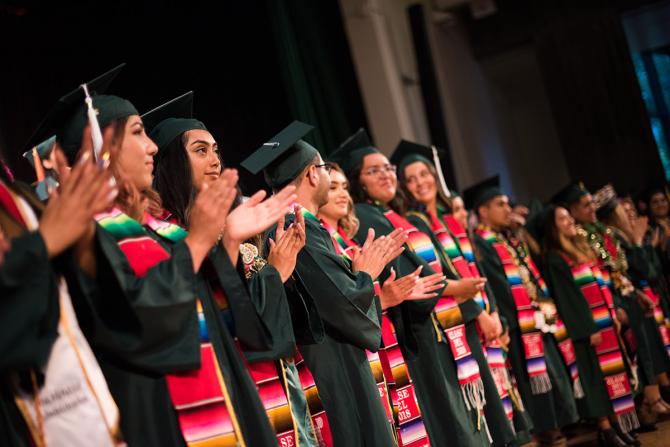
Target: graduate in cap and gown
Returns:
[52, 389]
[145, 306]
[586, 306]
[342, 293]
[524, 303]
[42, 158]
[419, 175]
[188, 158]
[422, 327]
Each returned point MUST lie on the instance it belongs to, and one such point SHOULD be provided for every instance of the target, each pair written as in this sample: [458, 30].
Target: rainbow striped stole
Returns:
[391, 374]
[525, 308]
[609, 351]
[141, 251]
[565, 345]
[447, 313]
[199, 396]
[658, 314]
[464, 258]
[320, 421]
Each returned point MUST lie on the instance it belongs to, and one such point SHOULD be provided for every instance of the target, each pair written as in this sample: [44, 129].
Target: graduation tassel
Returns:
[96, 134]
[440, 176]
[39, 169]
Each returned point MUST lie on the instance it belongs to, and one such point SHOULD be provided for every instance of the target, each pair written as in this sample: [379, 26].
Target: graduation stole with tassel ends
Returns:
[448, 315]
[521, 286]
[406, 416]
[200, 397]
[658, 313]
[609, 351]
[464, 261]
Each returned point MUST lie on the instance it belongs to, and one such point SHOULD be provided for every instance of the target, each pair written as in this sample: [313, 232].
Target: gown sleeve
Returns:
[29, 308]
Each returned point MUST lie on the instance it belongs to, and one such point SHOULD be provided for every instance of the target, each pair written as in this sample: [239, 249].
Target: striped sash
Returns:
[467, 268]
[390, 372]
[609, 351]
[658, 314]
[447, 313]
[319, 418]
[525, 308]
[200, 397]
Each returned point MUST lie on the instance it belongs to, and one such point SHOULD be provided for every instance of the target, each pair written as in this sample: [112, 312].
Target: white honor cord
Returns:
[96, 134]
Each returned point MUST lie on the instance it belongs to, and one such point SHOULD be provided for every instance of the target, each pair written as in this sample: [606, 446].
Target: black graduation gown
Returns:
[496, 418]
[548, 411]
[430, 362]
[578, 319]
[144, 328]
[350, 314]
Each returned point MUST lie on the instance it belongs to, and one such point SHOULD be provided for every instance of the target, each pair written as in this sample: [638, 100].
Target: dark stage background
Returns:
[229, 53]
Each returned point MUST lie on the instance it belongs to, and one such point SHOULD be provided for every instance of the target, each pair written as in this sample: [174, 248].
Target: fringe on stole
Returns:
[500, 375]
[577, 389]
[473, 394]
[628, 421]
[540, 384]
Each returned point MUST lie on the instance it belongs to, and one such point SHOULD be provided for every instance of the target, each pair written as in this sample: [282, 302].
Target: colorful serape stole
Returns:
[265, 374]
[200, 397]
[460, 237]
[400, 404]
[565, 345]
[495, 356]
[447, 312]
[658, 314]
[319, 418]
[609, 351]
[525, 308]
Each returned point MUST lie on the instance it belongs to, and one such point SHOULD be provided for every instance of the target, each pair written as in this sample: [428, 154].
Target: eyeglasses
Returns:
[326, 166]
[375, 171]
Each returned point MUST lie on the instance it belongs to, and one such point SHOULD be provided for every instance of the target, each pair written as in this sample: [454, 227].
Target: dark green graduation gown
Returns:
[29, 313]
[576, 315]
[144, 328]
[431, 363]
[350, 314]
[645, 328]
[496, 418]
[550, 410]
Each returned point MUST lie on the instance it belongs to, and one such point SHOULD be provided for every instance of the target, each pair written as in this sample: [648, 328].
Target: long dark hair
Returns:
[173, 179]
[576, 248]
[359, 195]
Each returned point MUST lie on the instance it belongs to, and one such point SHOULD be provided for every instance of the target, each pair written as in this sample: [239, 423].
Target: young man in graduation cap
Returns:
[343, 294]
[540, 372]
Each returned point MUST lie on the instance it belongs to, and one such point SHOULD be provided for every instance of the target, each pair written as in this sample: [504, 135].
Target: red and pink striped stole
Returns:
[525, 308]
[447, 313]
[200, 397]
[390, 371]
[609, 351]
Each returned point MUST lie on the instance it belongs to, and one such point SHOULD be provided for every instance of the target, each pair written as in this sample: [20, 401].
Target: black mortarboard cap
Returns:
[168, 121]
[61, 113]
[284, 156]
[480, 193]
[352, 151]
[43, 150]
[570, 194]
